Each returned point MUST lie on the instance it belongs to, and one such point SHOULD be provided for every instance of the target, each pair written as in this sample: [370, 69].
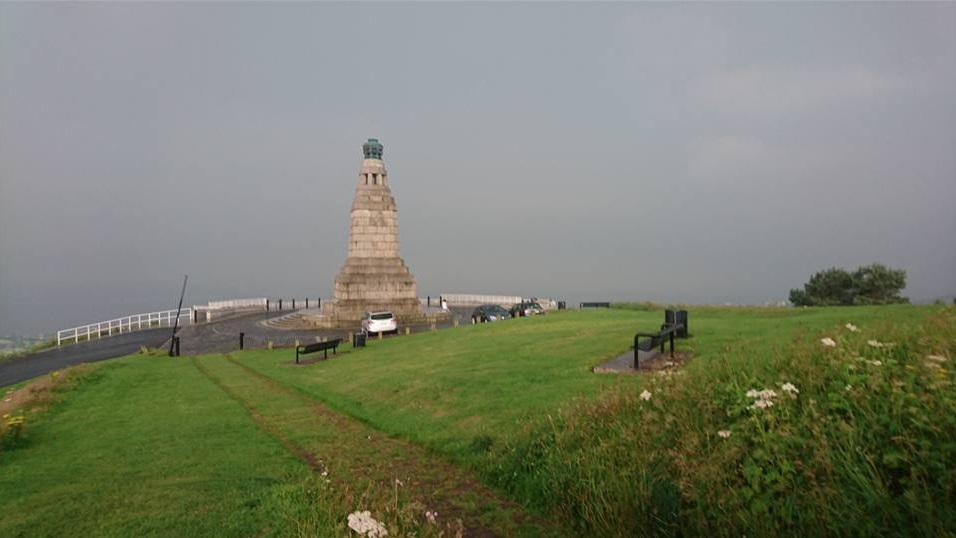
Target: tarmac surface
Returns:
[220, 336]
[49, 360]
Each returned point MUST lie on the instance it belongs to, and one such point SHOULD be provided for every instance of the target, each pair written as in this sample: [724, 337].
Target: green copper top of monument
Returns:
[373, 149]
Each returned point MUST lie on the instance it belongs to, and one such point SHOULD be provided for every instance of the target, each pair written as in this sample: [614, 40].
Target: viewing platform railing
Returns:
[136, 322]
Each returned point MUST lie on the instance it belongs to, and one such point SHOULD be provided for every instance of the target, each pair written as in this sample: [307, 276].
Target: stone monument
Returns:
[374, 277]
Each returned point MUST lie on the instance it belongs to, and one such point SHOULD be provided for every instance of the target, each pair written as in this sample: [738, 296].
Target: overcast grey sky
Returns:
[702, 153]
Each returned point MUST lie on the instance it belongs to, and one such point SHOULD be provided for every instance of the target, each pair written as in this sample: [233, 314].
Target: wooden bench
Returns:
[318, 346]
[649, 341]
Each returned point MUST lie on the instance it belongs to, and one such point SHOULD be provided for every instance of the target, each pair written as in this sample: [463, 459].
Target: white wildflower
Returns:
[724, 433]
[853, 328]
[765, 394]
[874, 343]
[848, 388]
[790, 388]
[763, 398]
[399, 482]
[645, 395]
[828, 342]
[936, 358]
[325, 473]
[875, 363]
[364, 524]
[431, 516]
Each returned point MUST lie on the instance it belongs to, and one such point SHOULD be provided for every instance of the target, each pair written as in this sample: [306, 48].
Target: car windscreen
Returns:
[382, 315]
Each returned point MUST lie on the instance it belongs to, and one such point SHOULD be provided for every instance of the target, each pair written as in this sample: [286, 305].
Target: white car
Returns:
[379, 322]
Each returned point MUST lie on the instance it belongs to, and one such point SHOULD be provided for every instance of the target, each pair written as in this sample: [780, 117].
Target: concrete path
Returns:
[625, 362]
[650, 361]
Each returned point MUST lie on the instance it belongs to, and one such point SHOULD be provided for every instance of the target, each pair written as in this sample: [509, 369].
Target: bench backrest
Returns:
[320, 346]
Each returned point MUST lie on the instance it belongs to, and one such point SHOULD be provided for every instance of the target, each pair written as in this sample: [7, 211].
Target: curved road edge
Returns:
[42, 362]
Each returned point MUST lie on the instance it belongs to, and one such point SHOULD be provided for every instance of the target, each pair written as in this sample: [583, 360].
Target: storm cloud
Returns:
[700, 153]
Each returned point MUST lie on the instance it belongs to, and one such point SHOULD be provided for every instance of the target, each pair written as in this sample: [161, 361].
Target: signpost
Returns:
[174, 343]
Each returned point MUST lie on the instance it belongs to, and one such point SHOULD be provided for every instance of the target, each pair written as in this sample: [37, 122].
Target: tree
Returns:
[868, 285]
[878, 284]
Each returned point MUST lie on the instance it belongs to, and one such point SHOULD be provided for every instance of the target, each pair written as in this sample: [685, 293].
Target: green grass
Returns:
[144, 446]
[197, 447]
[444, 389]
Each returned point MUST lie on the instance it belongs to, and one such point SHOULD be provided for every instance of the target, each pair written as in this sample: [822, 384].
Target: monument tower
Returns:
[374, 277]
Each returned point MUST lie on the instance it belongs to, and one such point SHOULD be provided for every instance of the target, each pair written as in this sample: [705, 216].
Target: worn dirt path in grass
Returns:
[358, 458]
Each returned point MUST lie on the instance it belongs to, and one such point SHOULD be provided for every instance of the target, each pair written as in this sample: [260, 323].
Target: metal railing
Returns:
[468, 299]
[150, 320]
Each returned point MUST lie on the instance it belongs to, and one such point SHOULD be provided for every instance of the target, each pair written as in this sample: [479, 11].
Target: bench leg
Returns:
[297, 355]
[325, 353]
[672, 344]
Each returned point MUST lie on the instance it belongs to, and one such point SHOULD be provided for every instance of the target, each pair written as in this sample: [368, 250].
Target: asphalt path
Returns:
[42, 362]
[220, 336]
[223, 336]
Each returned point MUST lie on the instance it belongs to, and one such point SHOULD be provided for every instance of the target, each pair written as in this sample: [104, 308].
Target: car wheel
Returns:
[474, 321]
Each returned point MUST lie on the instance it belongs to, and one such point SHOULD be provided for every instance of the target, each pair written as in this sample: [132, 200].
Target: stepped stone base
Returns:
[373, 284]
[322, 321]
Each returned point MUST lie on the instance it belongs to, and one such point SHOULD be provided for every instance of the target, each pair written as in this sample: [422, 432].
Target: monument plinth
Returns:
[374, 277]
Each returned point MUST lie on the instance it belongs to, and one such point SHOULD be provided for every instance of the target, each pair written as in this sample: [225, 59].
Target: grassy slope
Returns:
[454, 390]
[146, 447]
[450, 389]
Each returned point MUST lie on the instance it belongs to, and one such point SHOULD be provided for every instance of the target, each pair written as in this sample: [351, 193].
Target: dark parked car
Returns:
[489, 312]
[527, 308]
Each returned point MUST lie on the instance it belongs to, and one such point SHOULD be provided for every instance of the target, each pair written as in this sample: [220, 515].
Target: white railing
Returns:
[260, 303]
[469, 299]
[166, 318]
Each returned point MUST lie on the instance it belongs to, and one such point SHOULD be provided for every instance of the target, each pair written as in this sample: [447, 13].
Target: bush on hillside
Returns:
[873, 284]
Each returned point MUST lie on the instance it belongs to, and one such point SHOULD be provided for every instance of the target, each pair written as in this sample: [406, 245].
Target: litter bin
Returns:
[561, 305]
[358, 340]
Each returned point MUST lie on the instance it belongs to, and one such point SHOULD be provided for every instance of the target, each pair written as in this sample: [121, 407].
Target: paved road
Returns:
[36, 364]
[215, 337]
[223, 336]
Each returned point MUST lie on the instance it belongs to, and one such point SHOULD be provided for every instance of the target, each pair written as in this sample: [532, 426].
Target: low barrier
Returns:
[150, 320]
[217, 309]
[474, 299]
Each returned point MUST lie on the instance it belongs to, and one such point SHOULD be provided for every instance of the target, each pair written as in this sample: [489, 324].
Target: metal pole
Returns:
[180, 309]
[242, 337]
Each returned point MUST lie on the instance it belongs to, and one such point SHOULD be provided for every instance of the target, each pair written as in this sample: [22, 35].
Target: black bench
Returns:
[595, 305]
[318, 346]
[649, 341]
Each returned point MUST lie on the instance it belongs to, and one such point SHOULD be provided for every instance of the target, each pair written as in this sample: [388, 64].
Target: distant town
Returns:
[12, 343]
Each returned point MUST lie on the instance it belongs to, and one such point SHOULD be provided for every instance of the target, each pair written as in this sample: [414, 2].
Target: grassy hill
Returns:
[858, 437]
